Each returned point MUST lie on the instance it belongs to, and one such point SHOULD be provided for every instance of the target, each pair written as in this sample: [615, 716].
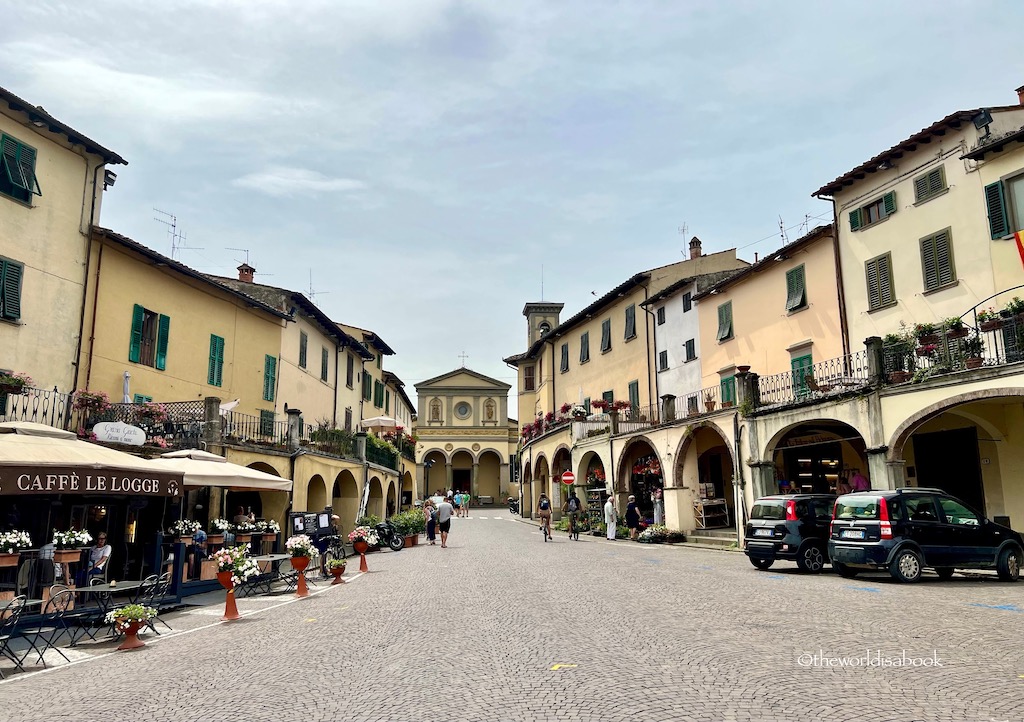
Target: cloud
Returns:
[282, 181]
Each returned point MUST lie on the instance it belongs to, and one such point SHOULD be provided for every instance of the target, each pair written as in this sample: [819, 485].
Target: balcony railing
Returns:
[831, 377]
[246, 428]
[638, 418]
[41, 406]
[381, 457]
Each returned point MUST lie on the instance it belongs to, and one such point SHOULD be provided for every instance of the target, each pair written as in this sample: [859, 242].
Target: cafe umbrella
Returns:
[201, 468]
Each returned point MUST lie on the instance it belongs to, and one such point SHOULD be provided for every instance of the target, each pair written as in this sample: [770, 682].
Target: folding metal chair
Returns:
[9, 616]
[43, 635]
[152, 593]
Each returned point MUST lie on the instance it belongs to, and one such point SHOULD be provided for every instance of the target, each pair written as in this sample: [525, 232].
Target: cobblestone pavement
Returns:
[502, 626]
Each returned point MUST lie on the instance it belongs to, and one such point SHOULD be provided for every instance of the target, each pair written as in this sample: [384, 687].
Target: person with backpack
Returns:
[430, 511]
[573, 506]
[544, 513]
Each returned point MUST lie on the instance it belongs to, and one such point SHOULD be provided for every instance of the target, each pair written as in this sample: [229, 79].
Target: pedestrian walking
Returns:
[610, 518]
[430, 512]
[633, 518]
[659, 507]
[445, 512]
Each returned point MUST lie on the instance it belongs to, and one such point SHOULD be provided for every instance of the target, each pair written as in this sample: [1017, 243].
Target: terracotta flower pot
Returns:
[958, 332]
[9, 560]
[360, 546]
[230, 607]
[993, 325]
[131, 637]
[337, 572]
[899, 377]
[243, 537]
[215, 538]
[407, 542]
[974, 362]
[928, 338]
[299, 564]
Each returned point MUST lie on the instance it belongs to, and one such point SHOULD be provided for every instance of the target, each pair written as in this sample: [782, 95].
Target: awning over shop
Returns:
[40, 459]
[201, 468]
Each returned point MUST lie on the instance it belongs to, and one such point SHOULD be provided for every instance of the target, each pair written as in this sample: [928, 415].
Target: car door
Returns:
[925, 526]
[973, 543]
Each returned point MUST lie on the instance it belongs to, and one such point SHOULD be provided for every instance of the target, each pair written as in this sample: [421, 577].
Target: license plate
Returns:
[763, 532]
[851, 534]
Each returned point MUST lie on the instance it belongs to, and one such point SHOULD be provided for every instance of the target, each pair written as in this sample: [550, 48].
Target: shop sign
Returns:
[116, 432]
[16, 480]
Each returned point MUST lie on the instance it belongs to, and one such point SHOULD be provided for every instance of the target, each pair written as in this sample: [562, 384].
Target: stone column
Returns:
[211, 421]
[473, 488]
[294, 422]
[762, 478]
[876, 364]
[448, 475]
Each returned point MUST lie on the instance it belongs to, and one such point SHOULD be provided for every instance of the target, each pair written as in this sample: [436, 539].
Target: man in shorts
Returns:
[445, 512]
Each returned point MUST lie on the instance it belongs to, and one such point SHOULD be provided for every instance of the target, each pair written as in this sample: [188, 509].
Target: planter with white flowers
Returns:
[11, 544]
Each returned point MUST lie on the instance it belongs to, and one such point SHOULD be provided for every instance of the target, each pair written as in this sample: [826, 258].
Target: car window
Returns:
[957, 513]
[768, 509]
[801, 509]
[823, 509]
[857, 507]
[921, 508]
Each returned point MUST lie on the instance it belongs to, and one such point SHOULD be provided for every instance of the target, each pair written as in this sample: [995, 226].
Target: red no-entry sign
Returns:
[568, 477]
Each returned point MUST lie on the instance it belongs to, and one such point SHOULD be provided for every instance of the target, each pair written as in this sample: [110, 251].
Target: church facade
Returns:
[467, 442]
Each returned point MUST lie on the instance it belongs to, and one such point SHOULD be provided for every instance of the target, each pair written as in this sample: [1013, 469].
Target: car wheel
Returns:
[945, 572]
[1008, 566]
[811, 559]
[845, 571]
[762, 564]
[906, 566]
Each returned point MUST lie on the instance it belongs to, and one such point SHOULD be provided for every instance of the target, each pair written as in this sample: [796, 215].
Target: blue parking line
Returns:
[773, 576]
[652, 561]
[1001, 607]
[864, 589]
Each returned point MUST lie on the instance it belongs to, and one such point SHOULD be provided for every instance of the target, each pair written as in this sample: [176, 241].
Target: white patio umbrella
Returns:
[379, 422]
[201, 468]
[127, 398]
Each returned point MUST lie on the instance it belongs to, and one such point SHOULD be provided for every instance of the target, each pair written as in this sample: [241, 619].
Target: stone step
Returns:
[712, 541]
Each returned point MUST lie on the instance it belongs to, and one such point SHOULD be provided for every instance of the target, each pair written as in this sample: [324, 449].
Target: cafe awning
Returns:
[41, 459]
[201, 468]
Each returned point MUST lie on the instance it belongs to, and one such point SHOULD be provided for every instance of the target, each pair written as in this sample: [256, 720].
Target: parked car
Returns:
[905, 530]
[793, 527]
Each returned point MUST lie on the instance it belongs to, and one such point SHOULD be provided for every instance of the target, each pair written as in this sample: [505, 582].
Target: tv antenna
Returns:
[782, 232]
[683, 230]
[178, 241]
[311, 293]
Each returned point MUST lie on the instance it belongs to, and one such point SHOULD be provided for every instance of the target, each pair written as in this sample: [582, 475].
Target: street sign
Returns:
[568, 478]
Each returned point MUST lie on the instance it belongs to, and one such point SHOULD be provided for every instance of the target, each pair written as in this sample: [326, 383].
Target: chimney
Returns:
[1020, 95]
[245, 273]
[695, 247]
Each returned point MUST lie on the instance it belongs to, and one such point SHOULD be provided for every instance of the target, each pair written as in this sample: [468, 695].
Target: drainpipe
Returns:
[657, 379]
[85, 284]
[92, 324]
[844, 328]
[647, 338]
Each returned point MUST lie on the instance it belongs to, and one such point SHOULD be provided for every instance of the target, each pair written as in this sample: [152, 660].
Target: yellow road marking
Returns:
[561, 666]
[310, 620]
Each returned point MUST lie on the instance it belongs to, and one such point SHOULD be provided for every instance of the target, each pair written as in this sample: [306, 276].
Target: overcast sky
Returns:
[423, 159]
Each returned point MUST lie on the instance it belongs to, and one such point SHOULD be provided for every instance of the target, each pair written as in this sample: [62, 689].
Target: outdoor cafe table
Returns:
[260, 584]
[104, 592]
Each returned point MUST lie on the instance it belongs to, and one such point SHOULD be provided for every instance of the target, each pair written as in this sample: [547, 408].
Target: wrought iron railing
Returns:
[638, 418]
[333, 442]
[381, 457]
[832, 376]
[41, 406]
[245, 428]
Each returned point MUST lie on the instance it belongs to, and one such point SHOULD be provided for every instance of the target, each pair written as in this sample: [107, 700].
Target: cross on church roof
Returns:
[463, 356]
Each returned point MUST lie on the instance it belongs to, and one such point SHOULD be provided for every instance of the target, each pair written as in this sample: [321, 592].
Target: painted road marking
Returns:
[775, 576]
[561, 666]
[1001, 607]
[864, 589]
[310, 620]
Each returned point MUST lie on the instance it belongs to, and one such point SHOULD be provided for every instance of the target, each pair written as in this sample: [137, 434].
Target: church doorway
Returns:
[461, 479]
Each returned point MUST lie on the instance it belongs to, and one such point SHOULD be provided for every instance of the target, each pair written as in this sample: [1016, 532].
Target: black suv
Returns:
[908, 529]
[793, 527]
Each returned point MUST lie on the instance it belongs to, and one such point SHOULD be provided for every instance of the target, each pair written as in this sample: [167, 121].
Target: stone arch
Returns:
[408, 490]
[488, 474]
[590, 464]
[316, 493]
[375, 501]
[345, 497]
[541, 462]
[702, 479]
[812, 454]
[640, 472]
[391, 499]
[462, 470]
[436, 477]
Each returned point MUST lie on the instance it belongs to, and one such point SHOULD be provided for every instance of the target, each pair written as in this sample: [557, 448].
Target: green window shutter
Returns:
[801, 366]
[929, 265]
[10, 289]
[885, 285]
[163, 335]
[725, 321]
[586, 405]
[608, 396]
[728, 389]
[387, 401]
[135, 348]
[921, 187]
[565, 357]
[585, 347]
[141, 399]
[325, 359]
[945, 273]
[380, 357]
[266, 423]
[634, 394]
[19, 166]
[662, 360]
[606, 335]
[630, 321]
[871, 271]
[796, 289]
[889, 203]
[215, 373]
[349, 369]
[855, 219]
[269, 377]
[929, 184]
[997, 221]
[303, 342]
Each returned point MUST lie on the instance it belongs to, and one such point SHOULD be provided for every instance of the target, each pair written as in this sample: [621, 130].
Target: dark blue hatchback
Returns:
[792, 527]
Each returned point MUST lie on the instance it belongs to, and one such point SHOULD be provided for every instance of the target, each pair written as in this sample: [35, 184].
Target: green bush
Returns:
[370, 520]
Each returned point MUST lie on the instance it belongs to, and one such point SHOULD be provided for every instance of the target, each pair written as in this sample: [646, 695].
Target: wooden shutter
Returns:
[997, 221]
[801, 370]
[662, 360]
[163, 334]
[266, 423]
[728, 389]
[269, 377]
[135, 347]
[630, 321]
[928, 263]
[387, 401]
[885, 286]
[606, 335]
[889, 203]
[349, 368]
[855, 222]
[930, 183]
[325, 360]
[10, 289]
[303, 342]
[691, 349]
[634, 394]
[725, 321]
[796, 289]
[946, 273]
[565, 357]
[687, 302]
[585, 347]
[608, 396]
[215, 374]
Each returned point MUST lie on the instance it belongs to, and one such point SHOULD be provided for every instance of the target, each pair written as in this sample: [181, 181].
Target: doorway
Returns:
[949, 460]
[461, 479]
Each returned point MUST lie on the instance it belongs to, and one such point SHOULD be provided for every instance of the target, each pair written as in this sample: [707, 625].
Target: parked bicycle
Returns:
[331, 547]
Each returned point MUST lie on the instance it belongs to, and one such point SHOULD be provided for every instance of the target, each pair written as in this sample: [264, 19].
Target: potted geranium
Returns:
[955, 327]
[14, 383]
[337, 568]
[600, 405]
[927, 350]
[302, 551]
[973, 349]
[362, 538]
[91, 402]
[989, 320]
[185, 528]
[128, 620]
[709, 401]
[151, 413]
[925, 333]
[11, 544]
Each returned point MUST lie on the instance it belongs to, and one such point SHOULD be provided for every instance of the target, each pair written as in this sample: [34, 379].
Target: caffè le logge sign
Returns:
[64, 480]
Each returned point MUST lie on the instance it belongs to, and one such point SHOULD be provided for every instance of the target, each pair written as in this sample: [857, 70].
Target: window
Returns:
[303, 341]
[661, 315]
[801, 370]
[634, 395]
[367, 387]
[937, 261]
[348, 418]
[608, 396]
[378, 394]
[691, 349]
[921, 508]
[18, 170]
[873, 212]
[266, 423]
[11, 274]
[585, 347]
[463, 410]
[606, 335]
[880, 286]
[1005, 203]
[349, 369]
[796, 289]
[215, 373]
[380, 359]
[269, 377]
[662, 360]
[586, 404]
[687, 302]
[565, 357]
[630, 321]
[150, 334]
[387, 401]
[728, 388]
[325, 357]
[141, 399]
[930, 184]
[725, 321]
[529, 379]
[957, 513]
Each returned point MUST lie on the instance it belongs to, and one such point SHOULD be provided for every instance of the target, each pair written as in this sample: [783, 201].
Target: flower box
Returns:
[9, 560]
[958, 332]
[928, 339]
[992, 325]
[899, 377]
[974, 362]
[64, 556]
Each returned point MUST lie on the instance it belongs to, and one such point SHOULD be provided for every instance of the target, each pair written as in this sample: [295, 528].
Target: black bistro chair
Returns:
[9, 617]
[42, 635]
